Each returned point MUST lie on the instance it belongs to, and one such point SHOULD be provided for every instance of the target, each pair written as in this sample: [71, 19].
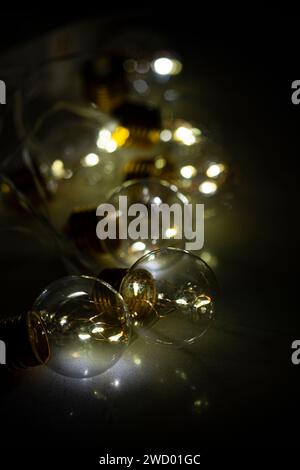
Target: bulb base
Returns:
[26, 341]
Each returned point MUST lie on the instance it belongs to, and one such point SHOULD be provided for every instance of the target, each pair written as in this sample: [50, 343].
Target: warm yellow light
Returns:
[63, 320]
[188, 171]
[97, 329]
[110, 141]
[166, 135]
[137, 246]
[111, 146]
[115, 338]
[163, 66]
[202, 300]
[84, 336]
[92, 159]
[75, 354]
[160, 163]
[214, 170]
[208, 187]
[153, 136]
[167, 66]
[137, 361]
[136, 288]
[105, 141]
[157, 200]
[181, 301]
[104, 137]
[58, 169]
[196, 131]
[171, 232]
[185, 135]
[120, 135]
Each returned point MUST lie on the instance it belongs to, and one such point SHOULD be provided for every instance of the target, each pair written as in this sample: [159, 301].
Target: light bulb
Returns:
[171, 296]
[203, 174]
[30, 252]
[81, 225]
[87, 325]
[152, 194]
[74, 150]
[26, 341]
[142, 121]
[105, 81]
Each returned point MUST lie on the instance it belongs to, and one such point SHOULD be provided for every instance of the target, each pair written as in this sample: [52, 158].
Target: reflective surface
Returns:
[237, 385]
[87, 325]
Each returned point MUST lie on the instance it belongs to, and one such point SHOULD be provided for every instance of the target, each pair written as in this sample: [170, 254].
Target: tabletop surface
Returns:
[237, 384]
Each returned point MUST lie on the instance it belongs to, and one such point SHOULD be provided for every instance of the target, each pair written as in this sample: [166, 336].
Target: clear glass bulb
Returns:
[171, 296]
[204, 175]
[73, 149]
[87, 324]
[149, 192]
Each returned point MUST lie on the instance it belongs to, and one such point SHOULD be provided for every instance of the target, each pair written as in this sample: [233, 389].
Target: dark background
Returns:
[246, 61]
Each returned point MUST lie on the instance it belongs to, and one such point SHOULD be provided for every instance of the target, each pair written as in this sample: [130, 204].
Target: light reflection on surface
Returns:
[137, 360]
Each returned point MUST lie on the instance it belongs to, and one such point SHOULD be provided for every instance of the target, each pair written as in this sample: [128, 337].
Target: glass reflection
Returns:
[87, 325]
[171, 296]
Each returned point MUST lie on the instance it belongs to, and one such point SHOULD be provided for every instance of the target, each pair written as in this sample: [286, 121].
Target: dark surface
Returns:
[242, 70]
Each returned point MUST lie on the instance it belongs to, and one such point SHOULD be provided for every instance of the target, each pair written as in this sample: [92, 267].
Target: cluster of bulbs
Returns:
[81, 325]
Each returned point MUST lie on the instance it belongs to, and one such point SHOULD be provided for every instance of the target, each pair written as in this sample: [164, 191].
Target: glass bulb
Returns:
[171, 296]
[203, 173]
[74, 149]
[149, 192]
[87, 324]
